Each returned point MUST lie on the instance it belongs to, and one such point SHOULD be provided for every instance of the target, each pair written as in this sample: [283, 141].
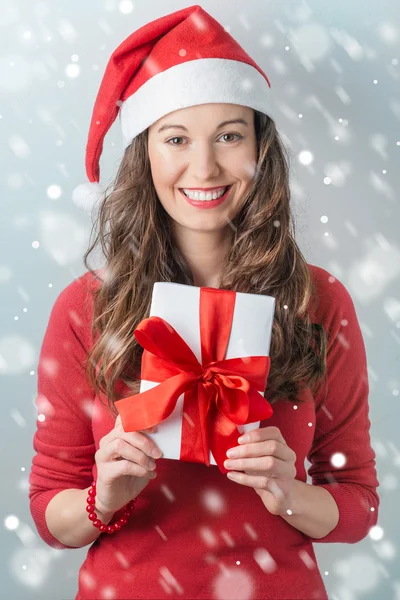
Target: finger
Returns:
[126, 467]
[265, 433]
[120, 449]
[118, 425]
[269, 447]
[259, 482]
[254, 481]
[273, 467]
[153, 429]
[117, 468]
[135, 439]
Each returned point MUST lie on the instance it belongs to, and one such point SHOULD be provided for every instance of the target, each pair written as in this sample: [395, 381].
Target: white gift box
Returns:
[178, 304]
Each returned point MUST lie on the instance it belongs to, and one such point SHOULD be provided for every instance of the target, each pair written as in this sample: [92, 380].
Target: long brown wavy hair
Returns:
[134, 232]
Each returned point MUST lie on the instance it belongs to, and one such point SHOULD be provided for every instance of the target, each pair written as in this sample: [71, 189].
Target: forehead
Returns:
[205, 115]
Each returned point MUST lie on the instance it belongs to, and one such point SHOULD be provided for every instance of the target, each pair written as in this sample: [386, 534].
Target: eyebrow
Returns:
[168, 126]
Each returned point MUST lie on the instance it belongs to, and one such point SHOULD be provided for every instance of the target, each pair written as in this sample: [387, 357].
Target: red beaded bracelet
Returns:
[91, 499]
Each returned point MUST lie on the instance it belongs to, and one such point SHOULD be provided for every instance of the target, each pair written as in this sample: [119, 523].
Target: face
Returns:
[194, 150]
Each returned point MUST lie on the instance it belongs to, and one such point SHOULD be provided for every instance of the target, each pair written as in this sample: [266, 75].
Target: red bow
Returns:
[218, 394]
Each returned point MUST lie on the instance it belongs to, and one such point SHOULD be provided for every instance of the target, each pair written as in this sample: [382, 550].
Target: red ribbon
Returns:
[219, 393]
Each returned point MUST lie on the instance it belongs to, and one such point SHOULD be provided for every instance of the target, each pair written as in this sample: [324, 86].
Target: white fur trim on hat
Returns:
[87, 195]
[190, 83]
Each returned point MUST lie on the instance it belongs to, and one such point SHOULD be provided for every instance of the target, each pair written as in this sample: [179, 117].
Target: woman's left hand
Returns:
[269, 467]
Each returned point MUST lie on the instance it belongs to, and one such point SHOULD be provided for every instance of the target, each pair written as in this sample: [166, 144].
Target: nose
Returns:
[204, 164]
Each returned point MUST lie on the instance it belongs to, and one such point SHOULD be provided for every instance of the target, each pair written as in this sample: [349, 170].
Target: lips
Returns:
[207, 204]
[209, 189]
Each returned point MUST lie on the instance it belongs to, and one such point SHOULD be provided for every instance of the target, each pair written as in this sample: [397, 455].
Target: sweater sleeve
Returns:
[63, 440]
[342, 459]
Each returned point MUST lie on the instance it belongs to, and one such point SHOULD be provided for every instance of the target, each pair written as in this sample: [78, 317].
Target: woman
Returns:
[194, 115]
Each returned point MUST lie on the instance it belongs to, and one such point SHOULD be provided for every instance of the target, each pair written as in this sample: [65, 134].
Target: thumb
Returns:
[152, 429]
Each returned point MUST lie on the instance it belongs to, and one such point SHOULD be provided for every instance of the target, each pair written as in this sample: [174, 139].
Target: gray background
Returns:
[334, 69]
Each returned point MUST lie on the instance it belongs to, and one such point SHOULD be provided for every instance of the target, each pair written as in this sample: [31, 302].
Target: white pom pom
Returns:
[87, 195]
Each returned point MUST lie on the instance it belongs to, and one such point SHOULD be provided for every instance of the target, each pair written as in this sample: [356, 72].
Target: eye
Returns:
[175, 138]
[237, 135]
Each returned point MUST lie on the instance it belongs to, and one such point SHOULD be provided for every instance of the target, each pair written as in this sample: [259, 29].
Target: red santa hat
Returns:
[183, 59]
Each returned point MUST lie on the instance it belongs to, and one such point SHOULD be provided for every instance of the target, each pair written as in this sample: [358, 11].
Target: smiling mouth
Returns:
[214, 191]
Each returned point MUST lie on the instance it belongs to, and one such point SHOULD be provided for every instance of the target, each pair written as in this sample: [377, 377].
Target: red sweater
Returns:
[194, 533]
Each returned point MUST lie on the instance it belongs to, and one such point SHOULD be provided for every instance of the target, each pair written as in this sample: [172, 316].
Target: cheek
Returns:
[244, 169]
[241, 162]
[165, 170]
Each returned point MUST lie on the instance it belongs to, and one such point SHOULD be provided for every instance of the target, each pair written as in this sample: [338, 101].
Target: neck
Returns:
[205, 253]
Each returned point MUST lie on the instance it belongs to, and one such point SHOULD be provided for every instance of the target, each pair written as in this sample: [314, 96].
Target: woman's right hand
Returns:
[124, 467]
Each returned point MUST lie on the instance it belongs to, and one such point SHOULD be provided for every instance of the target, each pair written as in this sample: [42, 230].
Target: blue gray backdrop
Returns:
[335, 74]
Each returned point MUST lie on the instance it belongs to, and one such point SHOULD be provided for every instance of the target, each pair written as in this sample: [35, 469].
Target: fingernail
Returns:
[156, 453]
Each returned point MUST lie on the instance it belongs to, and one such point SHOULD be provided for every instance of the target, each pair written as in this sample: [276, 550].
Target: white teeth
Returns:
[204, 195]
